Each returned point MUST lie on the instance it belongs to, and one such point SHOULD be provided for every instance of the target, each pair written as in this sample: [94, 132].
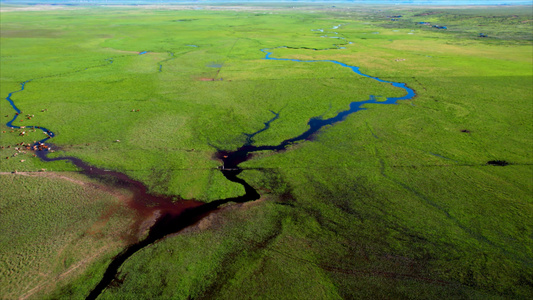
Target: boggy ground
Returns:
[396, 201]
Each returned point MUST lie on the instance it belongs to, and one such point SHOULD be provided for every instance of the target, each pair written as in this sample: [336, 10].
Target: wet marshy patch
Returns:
[215, 65]
[501, 163]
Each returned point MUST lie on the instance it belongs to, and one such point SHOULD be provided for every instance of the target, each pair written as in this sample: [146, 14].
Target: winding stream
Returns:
[232, 159]
[176, 215]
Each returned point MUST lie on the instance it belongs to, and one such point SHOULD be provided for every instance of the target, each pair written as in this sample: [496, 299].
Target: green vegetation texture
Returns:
[53, 227]
[396, 201]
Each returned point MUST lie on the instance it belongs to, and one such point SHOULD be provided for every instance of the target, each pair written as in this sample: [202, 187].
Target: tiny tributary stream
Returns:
[175, 215]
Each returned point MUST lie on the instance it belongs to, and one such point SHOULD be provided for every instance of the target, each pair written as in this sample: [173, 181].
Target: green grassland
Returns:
[55, 225]
[394, 202]
[509, 25]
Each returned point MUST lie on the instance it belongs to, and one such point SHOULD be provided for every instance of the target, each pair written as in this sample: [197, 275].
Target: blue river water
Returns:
[390, 100]
[232, 159]
[18, 113]
[173, 217]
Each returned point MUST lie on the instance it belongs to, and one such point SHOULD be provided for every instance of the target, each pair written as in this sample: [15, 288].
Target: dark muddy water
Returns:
[232, 159]
[177, 214]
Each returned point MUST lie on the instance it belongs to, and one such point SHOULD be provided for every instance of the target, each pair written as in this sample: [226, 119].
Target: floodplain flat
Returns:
[171, 159]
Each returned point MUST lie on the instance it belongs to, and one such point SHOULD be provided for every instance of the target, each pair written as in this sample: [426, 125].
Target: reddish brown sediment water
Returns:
[175, 214]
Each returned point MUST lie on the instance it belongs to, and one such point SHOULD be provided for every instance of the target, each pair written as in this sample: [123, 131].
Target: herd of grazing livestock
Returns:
[22, 148]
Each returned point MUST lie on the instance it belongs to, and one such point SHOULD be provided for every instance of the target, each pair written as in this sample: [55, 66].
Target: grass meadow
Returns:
[396, 201]
[56, 226]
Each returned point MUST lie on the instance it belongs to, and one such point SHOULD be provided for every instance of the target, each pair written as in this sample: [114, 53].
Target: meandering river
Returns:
[177, 215]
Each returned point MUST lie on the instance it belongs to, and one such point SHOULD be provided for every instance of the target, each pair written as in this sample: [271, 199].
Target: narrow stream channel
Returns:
[177, 215]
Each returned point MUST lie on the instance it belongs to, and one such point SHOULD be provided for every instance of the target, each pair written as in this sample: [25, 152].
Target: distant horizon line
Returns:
[242, 2]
